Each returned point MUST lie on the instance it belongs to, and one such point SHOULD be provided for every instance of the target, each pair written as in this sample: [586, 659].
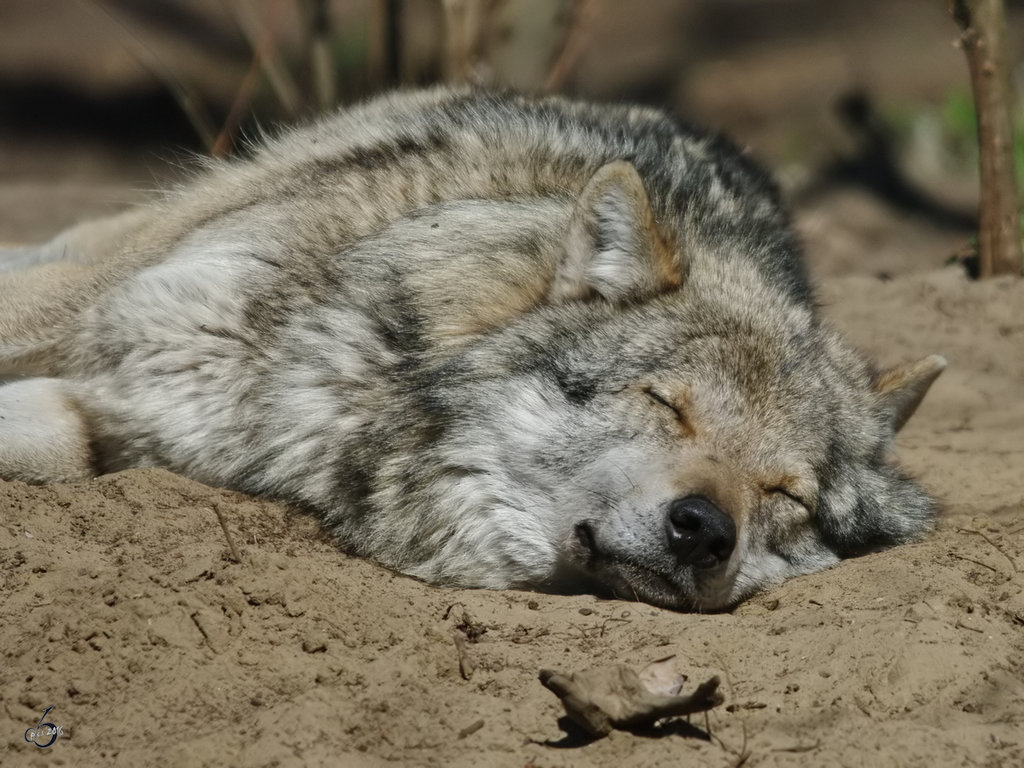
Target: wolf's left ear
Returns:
[902, 388]
[613, 247]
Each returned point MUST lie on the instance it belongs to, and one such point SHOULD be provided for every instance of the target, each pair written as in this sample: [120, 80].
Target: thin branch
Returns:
[383, 36]
[260, 38]
[321, 63]
[983, 39]
[227, 533]
[462, 22]
[583, 12]
[996, 547]
[188, 98]
[243, 98]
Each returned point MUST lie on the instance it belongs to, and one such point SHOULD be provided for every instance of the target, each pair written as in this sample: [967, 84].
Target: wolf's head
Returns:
[674, 428]
[746, 459]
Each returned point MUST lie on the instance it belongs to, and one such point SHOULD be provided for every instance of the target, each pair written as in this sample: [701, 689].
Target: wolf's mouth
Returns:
[627, 578]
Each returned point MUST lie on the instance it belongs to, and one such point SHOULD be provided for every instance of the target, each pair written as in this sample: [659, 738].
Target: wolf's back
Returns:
[368, 165]
[314, 190]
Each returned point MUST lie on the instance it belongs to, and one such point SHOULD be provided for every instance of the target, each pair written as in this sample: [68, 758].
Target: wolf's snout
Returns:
[699, 533]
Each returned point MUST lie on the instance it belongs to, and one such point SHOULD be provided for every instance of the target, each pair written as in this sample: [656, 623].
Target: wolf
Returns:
[490, 340]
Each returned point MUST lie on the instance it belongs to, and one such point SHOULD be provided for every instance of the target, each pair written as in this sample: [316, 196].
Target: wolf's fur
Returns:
[489, 340]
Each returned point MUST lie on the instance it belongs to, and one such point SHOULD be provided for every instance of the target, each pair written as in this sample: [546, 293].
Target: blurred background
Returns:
[861, 107]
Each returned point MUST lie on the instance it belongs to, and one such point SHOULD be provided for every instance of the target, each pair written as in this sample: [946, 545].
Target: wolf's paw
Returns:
[43, 435]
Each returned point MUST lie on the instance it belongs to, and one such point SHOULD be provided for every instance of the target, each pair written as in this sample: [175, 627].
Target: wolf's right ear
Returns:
[613, 247]
[903, 388]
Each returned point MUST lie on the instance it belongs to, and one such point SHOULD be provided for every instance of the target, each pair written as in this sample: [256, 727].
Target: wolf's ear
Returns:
[902, 388]
[613, 247]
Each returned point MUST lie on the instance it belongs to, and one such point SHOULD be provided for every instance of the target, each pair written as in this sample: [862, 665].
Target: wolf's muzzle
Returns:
[699, 533]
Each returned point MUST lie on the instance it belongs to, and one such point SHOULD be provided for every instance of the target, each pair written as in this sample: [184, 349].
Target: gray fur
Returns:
[487, 339]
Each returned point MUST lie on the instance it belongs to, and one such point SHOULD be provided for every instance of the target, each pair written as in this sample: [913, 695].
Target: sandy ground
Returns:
[121, 607]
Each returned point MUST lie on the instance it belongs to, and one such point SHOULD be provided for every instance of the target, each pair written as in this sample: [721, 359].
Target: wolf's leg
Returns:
[44, 437]
[86, 243]
[43, 287]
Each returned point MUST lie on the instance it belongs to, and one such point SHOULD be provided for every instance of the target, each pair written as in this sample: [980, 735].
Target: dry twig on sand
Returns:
[616, 697]
[227, 534]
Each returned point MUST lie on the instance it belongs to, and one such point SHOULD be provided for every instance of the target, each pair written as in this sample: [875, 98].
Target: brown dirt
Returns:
[122, 609]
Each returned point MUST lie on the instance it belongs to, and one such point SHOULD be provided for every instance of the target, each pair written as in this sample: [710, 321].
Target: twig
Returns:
[996, 547]
[225, 139]
[611, 620]
[799, 748]
[976, 562]
[227, 534]
[983, 39]
[187, 97]
[450, 608]
[583, 13]
[321, 65]
[742, 754]
[470, 729]
[260, 38]
[960, 625]
[384, 36]
[462, 21]
[466, 664]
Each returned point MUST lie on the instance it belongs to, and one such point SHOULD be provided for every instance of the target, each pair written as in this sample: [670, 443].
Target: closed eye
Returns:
[663, 401]
[679, 413]
[791, 496]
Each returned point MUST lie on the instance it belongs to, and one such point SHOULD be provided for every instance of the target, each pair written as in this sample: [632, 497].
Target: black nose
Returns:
[699, 533]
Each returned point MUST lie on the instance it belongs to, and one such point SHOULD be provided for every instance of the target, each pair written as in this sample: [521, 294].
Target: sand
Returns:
[122, 607]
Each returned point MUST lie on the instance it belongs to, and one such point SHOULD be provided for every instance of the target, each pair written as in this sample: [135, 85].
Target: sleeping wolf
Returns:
[491, 341]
